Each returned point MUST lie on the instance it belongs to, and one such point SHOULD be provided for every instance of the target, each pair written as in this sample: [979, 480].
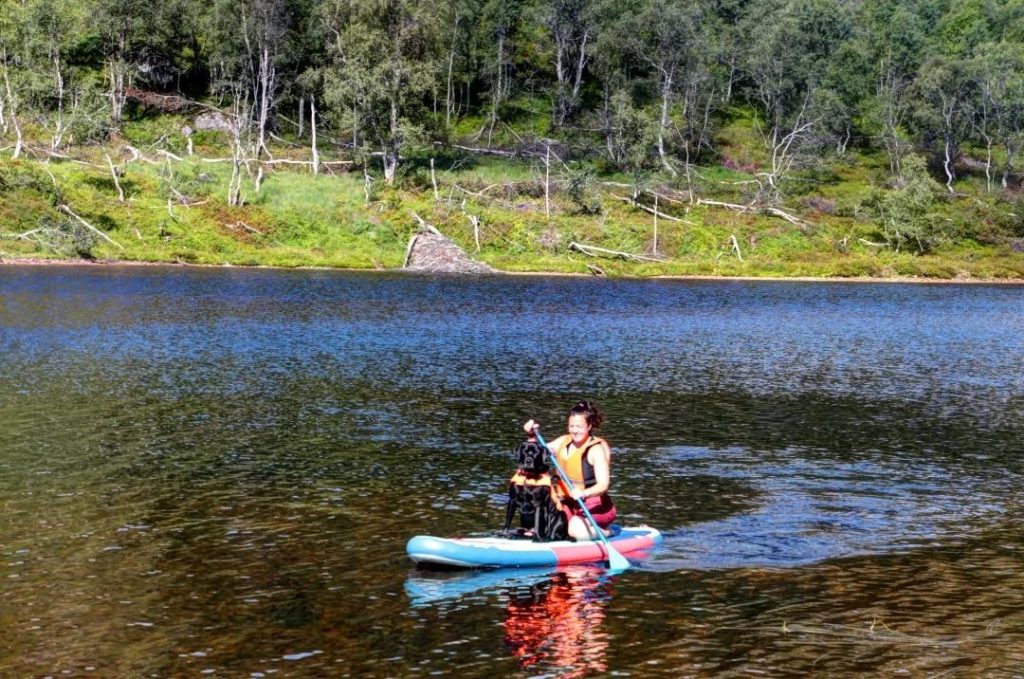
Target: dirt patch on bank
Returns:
[430, 250]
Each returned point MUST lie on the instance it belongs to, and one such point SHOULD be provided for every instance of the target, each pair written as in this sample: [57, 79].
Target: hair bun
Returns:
[589, 410]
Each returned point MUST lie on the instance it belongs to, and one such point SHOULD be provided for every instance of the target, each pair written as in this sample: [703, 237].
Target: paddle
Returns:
[616, 561]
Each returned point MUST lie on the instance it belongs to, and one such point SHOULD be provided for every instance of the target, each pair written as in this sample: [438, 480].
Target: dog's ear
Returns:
[543, 460]
[520, 453]
[546, 458]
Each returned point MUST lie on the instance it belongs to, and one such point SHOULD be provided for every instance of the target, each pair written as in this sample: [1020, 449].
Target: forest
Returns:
[780, 137]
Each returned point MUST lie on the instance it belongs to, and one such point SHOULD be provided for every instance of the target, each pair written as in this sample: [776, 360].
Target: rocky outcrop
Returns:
[213, 120]
[430, 250]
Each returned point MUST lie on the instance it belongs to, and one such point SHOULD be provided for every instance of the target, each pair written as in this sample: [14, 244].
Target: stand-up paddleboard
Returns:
[493, 552]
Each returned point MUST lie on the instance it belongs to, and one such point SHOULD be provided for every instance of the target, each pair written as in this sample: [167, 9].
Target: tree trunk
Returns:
[558, 114]
[266, 76]
[390, 161]
[843, 141]
[609, 125]
[988, 162]
[947, 163]
[355, 126]
[116, 94]
[118, 66]
[392, 147]
[3, 116]
[547, 180]
[949, 146]
[235, 184]
[1011, 153]
[666, 94]
[654, 248]
[449, 90]
[58, 131]
[312, 135]
[730, 80]
[581, 63]
[12, 108]
[302, 113]
[568, 86]
[497, 94]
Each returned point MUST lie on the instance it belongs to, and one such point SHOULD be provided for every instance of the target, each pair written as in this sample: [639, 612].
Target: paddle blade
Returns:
[616, 562]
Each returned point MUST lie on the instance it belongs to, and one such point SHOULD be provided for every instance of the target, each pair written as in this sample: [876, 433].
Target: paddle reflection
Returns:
[557, 625]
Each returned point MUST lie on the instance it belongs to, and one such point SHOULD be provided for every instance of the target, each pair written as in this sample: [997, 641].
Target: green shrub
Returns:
[581, 188]
[905, 215]
[67, 237]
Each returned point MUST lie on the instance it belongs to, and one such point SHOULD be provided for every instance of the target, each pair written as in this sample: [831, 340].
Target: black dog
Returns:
[532, 493]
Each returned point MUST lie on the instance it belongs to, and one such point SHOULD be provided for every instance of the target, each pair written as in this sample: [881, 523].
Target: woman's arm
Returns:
[529, 427]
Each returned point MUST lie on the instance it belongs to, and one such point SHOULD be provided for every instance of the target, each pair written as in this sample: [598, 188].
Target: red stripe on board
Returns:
[596, 551]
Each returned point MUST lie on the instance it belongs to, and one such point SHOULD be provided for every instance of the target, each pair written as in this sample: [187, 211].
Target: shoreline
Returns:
[44, 261]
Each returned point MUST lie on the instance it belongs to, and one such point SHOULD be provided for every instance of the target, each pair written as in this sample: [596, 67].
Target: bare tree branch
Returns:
[68, 211]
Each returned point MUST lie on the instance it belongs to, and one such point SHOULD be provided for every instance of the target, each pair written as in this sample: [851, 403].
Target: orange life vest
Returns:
[521, 478]
[575, 465]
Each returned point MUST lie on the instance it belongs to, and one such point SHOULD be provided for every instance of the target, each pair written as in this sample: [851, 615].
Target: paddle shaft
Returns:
[615, 560]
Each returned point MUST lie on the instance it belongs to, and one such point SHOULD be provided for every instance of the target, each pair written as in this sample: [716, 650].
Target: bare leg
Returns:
[581, 529]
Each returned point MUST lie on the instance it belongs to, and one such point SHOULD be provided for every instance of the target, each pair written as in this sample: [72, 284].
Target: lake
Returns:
[215, 471]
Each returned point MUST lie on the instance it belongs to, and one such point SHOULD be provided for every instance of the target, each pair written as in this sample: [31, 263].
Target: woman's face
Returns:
[578, 428]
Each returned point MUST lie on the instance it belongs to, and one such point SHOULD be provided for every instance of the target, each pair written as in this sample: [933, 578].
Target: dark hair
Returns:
[589, 410]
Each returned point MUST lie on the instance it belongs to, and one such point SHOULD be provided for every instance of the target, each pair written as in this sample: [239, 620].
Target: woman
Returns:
[586, 459]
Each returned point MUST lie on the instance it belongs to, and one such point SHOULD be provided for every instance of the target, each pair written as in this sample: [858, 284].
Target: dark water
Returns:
[216, 471]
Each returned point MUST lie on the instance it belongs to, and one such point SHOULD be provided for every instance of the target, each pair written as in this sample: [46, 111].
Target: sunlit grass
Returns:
[177, 211]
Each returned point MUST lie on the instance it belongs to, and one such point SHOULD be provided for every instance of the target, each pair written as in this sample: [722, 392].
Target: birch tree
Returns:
[612, 65]
[12, 29]
[895, 35]
[121, 22]
[946, 111]
[54, 26]
[264, 26]
[502, 19]
[1000, 68]
[790, 44]
[665, 38]
[571, 27]
[384, 55]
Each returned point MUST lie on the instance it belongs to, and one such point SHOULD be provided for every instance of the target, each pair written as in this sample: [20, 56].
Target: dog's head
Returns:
[532, 457]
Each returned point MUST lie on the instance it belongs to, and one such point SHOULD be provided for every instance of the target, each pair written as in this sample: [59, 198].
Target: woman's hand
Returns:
[530, 427]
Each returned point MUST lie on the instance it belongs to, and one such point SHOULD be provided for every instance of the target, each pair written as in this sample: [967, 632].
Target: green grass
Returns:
[296, 219]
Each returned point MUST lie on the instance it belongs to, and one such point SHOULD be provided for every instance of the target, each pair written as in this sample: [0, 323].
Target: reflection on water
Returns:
[217, 471]
[553, 618]
[558, 625]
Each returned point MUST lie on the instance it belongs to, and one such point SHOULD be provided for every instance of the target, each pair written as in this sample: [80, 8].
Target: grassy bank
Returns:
[495, 207]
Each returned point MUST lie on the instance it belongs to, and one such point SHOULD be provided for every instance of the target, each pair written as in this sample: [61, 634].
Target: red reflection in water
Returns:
[557, 624]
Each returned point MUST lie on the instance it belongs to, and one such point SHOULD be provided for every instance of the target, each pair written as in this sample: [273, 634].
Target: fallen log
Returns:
[594, 251]
[139, 155]
[496, 152]
[117, 184]
[653, 211]
[736, 246]
[68, 211]
[746, 208]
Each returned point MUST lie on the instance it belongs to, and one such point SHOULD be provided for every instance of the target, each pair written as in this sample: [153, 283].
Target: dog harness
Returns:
[537, 481]
[579, 471]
